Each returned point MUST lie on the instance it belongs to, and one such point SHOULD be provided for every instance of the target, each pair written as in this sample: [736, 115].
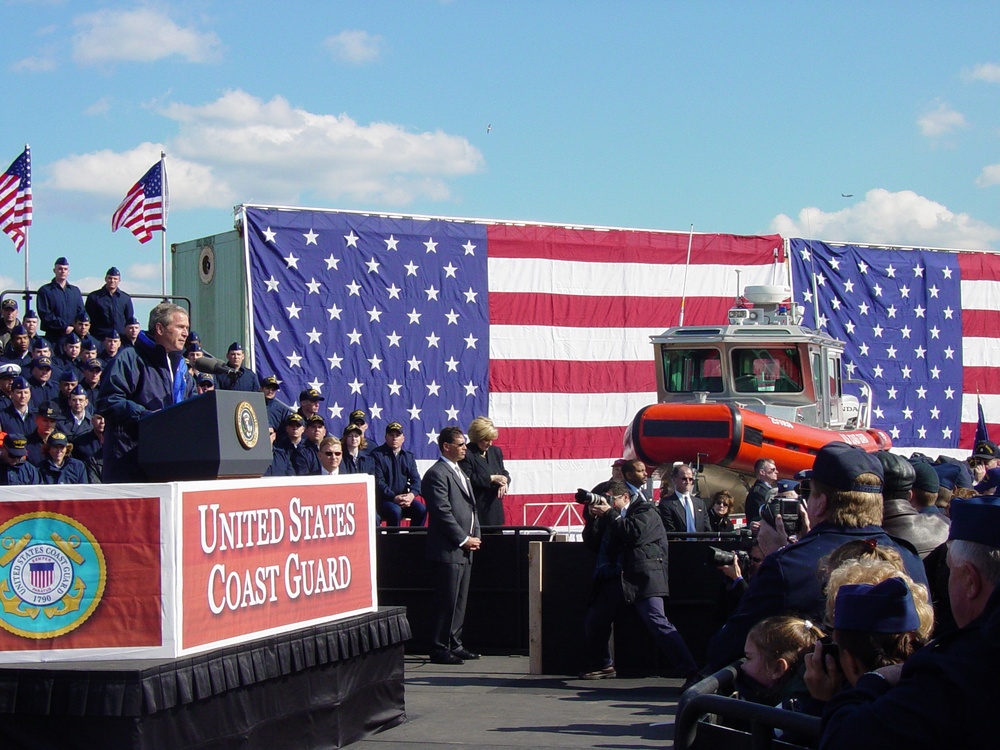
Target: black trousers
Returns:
[451, 592]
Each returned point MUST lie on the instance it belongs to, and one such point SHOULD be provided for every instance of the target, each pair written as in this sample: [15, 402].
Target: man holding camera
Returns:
[845, 504]
[631, 570]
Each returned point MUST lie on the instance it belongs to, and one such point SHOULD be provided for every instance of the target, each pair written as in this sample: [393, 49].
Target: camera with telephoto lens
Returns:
[719, 557]
[589, 498]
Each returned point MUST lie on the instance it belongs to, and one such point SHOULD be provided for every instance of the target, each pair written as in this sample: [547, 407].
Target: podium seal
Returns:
[247, 428]
[52, 575]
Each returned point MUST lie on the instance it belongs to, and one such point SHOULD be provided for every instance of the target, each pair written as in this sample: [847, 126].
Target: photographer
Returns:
[631, 570]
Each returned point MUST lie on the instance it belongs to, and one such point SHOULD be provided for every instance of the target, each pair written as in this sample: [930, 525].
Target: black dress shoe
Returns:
[464, 653]
[446, 657]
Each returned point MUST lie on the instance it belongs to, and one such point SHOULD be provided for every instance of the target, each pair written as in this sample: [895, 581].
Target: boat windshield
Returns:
[689, 370]
[777, 370]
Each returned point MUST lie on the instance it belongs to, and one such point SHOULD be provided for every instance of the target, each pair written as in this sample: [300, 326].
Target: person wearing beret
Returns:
[58, 466]
[109, 307]
[59, 302]
[240, 379]
[397, 480]
[944, 695]
[14, 467]
[844, 504]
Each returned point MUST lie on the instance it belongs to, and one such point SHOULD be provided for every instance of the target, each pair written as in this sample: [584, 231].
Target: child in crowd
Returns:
[774, 651]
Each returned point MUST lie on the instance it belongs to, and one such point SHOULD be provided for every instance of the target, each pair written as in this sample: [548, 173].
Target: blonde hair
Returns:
[872, 571]
[784, 637]
[481, 428]
[851, 508]
[860, 549]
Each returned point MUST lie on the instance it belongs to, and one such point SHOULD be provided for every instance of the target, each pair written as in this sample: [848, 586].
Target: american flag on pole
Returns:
[144, 209]
[920, 327]
[15, 199]
[432, 322]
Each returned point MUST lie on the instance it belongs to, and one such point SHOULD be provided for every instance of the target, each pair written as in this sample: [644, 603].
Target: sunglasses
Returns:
[333, 453]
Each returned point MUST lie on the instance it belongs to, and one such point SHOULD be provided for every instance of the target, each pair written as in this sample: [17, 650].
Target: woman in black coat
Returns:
[718, 513]
[483, 465]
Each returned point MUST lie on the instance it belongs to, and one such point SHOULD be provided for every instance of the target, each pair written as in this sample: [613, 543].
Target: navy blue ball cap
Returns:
[41, 362]
[839, 465]
[927, 478]
[58, 438]
[270, 382]
[787, 485]
[93, 364]
[886, 607]
[976, 519]
[204, 379]
[49, 409]
[16, 444]
[986, 450]
[311, 394]
[9, 303]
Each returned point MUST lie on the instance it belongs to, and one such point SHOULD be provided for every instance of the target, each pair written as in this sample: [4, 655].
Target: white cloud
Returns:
[241, 148]
[989, 176]
[988, 72]
[355, 47]
[141, 35]
[887, 218]
[940, 121]
[34, 64]
[100, 107]
[278, 153]
[107, 173]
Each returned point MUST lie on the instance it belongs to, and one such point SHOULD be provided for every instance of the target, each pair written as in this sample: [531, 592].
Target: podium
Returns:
[219, 434]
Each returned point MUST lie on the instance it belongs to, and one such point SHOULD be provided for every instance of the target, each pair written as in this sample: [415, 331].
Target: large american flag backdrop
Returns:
[920, 326]
[432, 322]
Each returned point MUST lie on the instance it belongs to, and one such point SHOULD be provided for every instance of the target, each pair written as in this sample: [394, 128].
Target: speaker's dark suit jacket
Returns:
[453, 519]
[674, 518]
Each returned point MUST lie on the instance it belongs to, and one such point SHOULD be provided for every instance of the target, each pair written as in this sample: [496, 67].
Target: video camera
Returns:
[788, 508]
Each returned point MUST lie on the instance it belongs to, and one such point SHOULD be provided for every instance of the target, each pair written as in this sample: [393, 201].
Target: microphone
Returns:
[213, 366]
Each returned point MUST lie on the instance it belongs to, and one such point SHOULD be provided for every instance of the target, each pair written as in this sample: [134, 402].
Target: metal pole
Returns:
[686, 267]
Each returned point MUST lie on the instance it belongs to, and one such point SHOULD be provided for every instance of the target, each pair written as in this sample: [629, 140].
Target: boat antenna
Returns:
[686, 266]
[738, 287]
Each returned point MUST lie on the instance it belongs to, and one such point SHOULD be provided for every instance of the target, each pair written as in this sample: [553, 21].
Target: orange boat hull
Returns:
[727, 435]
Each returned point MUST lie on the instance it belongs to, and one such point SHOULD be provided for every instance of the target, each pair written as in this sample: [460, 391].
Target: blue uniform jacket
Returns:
[140, 380]
[281, 464]
[21, 474]
[787, 582]
[57, 307]
[71, 472]
[277, 412]
[108, 311]
[12, 421]
[245, 380]
[946, 696]
[394, 474]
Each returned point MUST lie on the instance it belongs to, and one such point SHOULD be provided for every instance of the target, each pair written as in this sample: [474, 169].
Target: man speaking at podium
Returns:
[144, 378]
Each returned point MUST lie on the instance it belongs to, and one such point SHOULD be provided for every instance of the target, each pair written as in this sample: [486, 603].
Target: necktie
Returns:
[689, 513]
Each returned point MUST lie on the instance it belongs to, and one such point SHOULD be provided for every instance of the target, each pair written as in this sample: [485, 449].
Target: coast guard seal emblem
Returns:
[52, 575]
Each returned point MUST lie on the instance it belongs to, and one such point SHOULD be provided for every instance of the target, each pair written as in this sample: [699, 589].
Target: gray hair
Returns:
[984, 559]
[163, 314]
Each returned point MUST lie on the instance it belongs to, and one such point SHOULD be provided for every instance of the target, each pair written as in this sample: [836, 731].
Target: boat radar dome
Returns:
[767, 304]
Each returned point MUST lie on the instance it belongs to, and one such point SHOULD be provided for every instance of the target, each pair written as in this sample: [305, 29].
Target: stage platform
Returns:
[320, 687]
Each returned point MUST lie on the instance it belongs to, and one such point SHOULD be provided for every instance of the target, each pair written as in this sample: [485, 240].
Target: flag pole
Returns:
[27, 246]
[687, 265]
[163, 234]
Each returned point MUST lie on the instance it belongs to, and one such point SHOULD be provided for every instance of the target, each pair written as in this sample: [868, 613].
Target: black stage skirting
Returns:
[320, 687]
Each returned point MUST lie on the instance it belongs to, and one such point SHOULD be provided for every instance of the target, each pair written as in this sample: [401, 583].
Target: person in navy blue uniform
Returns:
[631, 570]
[305, 460]
[204, 382]
[943, 696]
[58, 467]
[8, 319]
[31, 322]
[18, 348]
[241, 379]
[845, 504]
[131, 333]
[76, 418]
[18, 416]
[277, 410]
[147, 377]
[68, 355]
[14, 467]
[8, 371]
[90, 381]
[59, 302]
[109, 307]
[43, 387]
[281, 462]
[89, 448]
[110, 346]
[46, 419]
[452, 537]
[357, 458]
[291, 438]
[397, 480]
[82, 328]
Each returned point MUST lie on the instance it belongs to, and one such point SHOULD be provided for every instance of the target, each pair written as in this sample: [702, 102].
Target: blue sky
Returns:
[735, 117]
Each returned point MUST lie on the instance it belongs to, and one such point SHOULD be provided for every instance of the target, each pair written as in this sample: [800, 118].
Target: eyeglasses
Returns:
[333, 453]
[685, 479]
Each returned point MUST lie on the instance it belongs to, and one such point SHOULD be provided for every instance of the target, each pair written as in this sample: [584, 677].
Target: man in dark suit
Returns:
[763, 490]
[452, 537]
[682, 510]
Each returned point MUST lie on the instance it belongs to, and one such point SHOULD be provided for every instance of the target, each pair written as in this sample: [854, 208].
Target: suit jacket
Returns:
[452, 511]
[675, 519]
